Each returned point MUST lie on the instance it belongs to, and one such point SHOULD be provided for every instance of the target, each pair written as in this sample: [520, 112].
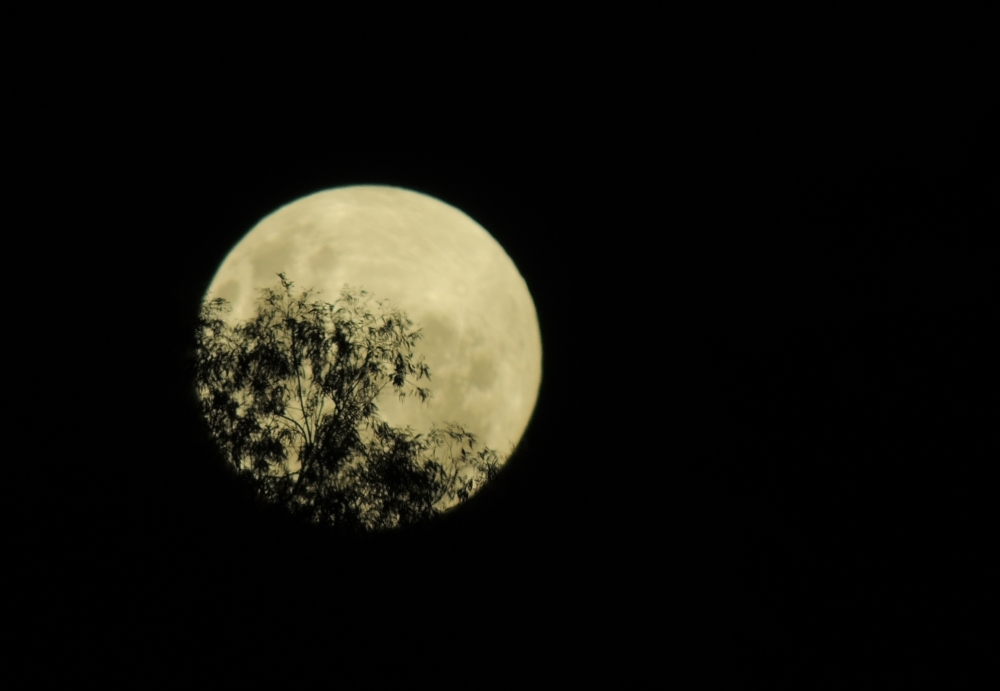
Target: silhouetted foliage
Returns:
[290, 396]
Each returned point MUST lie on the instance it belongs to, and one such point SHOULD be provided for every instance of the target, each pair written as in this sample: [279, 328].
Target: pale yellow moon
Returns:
[481, 335]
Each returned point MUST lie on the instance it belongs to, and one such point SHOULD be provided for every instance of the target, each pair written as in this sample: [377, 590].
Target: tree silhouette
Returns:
[290, 396]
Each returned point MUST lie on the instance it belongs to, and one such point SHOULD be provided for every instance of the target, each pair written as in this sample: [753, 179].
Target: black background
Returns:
[754, 264]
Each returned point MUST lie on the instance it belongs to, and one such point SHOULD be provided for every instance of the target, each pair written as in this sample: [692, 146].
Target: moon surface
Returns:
[481, 338]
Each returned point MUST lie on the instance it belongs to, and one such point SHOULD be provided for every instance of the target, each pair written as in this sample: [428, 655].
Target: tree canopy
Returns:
[290, 396]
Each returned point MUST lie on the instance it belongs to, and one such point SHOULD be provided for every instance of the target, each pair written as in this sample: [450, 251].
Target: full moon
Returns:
[446, 272]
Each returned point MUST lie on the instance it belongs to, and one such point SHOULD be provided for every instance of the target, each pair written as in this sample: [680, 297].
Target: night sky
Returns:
[756, 318]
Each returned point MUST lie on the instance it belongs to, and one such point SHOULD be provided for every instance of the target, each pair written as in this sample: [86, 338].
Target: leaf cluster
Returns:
[290, 396]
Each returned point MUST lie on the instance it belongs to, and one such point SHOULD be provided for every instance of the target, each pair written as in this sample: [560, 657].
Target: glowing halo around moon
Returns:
[480, 330]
